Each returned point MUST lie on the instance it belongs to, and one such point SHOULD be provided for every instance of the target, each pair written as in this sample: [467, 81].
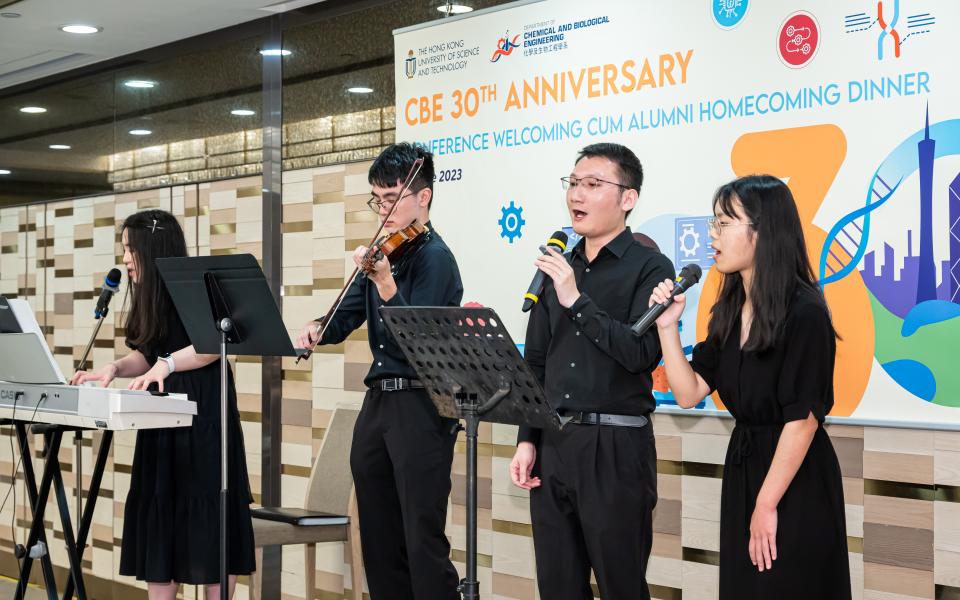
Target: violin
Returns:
[393, 246]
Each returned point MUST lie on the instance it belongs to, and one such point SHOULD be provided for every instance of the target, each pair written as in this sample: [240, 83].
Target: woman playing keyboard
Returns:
[171, 517]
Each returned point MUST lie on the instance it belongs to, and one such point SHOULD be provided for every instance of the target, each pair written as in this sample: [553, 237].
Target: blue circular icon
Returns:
[511, 222]
[728, 13]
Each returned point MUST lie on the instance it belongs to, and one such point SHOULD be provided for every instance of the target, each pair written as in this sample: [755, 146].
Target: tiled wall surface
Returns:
[902, 487]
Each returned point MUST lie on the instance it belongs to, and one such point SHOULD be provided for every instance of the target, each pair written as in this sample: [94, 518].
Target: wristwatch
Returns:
[168, 358]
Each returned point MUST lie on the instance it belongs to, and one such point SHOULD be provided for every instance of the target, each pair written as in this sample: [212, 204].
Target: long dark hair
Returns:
[151, 234]
[781, 267]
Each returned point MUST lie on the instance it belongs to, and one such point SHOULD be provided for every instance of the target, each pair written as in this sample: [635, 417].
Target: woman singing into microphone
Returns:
[769, 353]
[171, 522]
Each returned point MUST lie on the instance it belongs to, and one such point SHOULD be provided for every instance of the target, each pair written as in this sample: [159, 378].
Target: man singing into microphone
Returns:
[593, 485]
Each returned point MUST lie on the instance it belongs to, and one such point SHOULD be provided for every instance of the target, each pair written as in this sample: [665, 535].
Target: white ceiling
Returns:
[32, 46]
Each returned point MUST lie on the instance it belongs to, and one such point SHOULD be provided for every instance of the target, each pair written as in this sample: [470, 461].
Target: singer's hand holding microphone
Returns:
[552, 264]
[668, 300]
[564, 281]
[661, 294]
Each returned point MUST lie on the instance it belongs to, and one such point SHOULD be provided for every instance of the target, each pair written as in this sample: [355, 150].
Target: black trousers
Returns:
[401, 457]
[594, 509]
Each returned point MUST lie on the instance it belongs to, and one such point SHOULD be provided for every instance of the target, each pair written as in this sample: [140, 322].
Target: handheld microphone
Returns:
[688, 277]
[111, 284]
[559, 241]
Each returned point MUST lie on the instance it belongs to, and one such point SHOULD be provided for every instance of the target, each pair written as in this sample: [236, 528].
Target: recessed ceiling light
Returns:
[9, 15]
[276, 52]
[360, 90]
[454, 9]
[59, 147]
[140, 132]
[243, 112]
[4, 172]
[33, 110]
[80, 29]
[140, 83]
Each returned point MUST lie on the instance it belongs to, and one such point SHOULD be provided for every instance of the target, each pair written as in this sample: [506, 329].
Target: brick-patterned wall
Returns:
[902, 487]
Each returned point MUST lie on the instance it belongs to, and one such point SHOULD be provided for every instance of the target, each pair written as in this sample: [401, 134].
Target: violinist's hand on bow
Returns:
[380, 275]
[310, 334]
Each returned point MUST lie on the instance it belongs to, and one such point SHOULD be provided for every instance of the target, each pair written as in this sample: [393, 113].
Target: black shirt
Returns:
[428, 276]
[586, 356]
[783, 383]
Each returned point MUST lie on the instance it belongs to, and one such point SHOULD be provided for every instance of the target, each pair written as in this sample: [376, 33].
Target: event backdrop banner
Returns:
[856, 105]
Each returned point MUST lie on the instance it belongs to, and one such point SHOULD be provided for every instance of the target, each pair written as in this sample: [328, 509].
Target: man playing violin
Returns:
[402, 448]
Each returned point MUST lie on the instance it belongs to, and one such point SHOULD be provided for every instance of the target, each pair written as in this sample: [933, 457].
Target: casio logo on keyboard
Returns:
[8, 395]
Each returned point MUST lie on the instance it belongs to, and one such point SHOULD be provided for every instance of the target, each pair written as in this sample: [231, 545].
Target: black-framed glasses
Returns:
[588, 183]
[376, 204]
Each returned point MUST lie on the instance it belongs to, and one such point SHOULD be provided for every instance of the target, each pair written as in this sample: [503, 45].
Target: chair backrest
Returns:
[330, 480]
[645, 240]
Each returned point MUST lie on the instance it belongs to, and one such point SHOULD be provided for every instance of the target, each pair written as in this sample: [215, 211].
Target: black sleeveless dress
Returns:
[171, 521]
[764, 391]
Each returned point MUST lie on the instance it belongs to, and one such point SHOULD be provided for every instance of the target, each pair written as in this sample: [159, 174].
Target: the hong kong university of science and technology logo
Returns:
[410, 65]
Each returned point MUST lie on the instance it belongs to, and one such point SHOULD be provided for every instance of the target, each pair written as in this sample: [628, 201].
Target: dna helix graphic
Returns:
[890, 28]
[853, 231]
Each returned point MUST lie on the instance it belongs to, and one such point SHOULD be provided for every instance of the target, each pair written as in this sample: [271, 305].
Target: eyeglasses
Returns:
[375, 204]
[716, 226]
[588, 183]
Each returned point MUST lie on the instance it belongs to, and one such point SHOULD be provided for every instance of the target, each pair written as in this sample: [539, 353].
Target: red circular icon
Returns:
[798, 40]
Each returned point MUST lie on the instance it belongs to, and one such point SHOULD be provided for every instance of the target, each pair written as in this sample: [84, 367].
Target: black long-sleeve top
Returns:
[427, 277]
[586, 357]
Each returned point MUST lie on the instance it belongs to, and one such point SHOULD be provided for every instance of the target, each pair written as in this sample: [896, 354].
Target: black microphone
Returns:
[688, 277]
[559, 241]
[111, 283]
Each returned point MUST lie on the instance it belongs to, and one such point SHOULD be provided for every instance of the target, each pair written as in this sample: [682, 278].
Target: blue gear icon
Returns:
[511, 223]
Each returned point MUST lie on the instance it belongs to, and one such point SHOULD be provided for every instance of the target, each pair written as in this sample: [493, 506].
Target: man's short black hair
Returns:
[393, 164]
[631, 171]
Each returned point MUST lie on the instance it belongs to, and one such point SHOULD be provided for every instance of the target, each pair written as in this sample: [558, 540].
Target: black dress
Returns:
[763, 391]
[171, 521]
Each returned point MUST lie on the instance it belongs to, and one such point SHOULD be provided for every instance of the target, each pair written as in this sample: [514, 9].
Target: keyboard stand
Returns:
[53, 477]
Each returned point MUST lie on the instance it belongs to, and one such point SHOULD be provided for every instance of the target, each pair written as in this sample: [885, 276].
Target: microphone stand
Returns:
[86, 351]
[78, 434]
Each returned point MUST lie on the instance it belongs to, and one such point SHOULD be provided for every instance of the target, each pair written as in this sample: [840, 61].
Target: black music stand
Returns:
[225, 301]
[473, 371]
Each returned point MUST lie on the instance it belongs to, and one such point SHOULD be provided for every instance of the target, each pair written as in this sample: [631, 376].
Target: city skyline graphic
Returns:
[899, 289]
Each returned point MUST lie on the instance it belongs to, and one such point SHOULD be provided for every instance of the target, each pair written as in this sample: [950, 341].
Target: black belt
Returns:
[591, 418]
[395, 384]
